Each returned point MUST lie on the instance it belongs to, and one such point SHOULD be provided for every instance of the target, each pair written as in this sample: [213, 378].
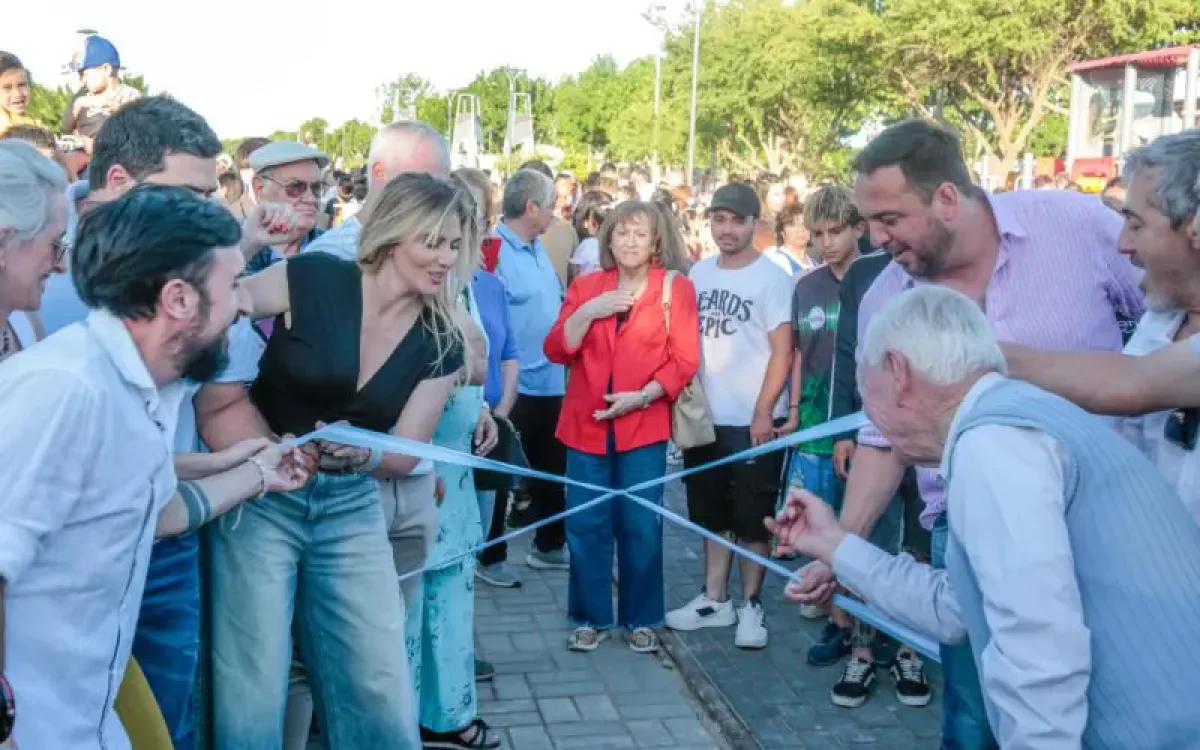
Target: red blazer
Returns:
[644, 353]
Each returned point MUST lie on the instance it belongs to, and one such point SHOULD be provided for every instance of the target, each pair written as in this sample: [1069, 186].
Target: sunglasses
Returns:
[1182, 428]
[295, 189]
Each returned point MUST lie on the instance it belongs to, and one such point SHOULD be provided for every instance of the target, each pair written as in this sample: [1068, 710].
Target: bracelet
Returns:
[645, 399]
[262, 476]
[794, 407]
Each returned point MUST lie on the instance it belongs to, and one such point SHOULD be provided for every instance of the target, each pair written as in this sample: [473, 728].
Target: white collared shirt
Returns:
[1156, 330]
[1007, 508]
[85, 463]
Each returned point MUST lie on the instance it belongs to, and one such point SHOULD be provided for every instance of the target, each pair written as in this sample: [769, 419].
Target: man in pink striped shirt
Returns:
[1044, 267]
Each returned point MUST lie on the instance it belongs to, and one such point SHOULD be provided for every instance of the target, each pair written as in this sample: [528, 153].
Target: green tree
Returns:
[997, 67]
[779, 89]
[316, 128]
[351, 141]
[493, 88]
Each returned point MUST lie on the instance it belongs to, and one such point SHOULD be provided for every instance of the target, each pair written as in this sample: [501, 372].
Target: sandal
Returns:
[643, 640]
[585, 639]
[480, 739]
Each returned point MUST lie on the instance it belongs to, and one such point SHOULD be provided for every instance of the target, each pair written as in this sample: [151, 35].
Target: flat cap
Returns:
[285, 152]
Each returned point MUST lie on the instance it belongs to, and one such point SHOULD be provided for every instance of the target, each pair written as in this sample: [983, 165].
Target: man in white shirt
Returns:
[1066, 548]
[745, 304]
[90, 421]
[1161, 234]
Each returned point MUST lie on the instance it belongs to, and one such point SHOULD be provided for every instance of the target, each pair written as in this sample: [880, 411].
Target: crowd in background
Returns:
[198, 308]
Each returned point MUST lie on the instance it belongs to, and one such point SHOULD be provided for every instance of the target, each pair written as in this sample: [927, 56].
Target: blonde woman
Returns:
[377, 344]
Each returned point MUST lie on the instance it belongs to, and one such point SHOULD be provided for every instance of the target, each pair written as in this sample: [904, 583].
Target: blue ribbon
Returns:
[347, 435]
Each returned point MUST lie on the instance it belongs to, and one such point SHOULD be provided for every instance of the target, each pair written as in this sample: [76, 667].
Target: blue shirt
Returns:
[341, 241]
[497, 325]
[535, 296]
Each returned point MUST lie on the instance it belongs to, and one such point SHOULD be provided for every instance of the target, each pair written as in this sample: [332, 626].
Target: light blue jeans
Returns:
[319, 555]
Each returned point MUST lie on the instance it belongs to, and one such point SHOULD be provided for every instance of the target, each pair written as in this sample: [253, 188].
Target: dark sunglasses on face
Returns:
[297, 188]
[1183, 428]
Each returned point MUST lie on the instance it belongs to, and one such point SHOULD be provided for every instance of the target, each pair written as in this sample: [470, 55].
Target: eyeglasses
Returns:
[61, 247]
[295, 189]
[1182, 428]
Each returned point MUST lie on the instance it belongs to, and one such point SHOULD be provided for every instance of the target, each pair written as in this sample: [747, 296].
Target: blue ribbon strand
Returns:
[347, 435]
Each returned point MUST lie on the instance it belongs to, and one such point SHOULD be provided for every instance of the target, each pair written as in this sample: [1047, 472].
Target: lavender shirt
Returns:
[1059, 284]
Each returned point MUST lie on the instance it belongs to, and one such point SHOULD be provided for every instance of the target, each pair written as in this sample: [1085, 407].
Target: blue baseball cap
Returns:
[98, 51]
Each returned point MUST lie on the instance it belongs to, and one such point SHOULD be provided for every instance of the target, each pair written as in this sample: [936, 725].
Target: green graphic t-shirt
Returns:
[815, 311]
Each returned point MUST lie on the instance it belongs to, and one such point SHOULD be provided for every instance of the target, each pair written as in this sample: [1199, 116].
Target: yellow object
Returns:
[1091, 184]
[10, 119]
[139, 712]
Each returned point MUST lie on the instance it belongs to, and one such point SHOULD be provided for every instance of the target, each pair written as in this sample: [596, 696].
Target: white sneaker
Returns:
[702, 612]
[751, 630]
[813, 612]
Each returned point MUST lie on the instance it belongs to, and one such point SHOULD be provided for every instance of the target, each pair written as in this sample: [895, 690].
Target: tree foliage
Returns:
[999, 66]
[784, 85]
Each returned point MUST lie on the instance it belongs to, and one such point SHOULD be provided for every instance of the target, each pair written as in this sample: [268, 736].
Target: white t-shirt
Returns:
[587, 256]
[738, 309]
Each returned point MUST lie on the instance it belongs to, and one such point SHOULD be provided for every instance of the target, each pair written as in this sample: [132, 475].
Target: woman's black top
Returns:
[310, 371]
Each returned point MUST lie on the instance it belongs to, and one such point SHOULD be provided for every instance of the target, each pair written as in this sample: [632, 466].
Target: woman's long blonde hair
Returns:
[414, 205]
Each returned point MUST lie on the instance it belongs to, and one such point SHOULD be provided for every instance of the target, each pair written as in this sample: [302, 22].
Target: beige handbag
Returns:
[691, 417]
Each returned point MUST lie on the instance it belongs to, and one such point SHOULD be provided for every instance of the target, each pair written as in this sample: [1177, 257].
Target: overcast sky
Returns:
[291, 65]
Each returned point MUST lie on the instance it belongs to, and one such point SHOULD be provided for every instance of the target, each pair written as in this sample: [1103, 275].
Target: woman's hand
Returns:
[285, 469]
[487, 434]
[620, 404]
[338, 457]
[201, 465]
[608, 304]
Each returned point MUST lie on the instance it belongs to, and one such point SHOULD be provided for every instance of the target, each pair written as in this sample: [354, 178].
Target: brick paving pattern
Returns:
[547, 698]
[779, 701]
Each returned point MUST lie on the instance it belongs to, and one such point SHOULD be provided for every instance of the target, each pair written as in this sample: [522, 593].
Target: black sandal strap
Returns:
[480, 740]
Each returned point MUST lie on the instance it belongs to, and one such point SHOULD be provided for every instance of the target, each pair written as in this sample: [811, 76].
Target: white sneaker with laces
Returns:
[751, 629]
[702, 612]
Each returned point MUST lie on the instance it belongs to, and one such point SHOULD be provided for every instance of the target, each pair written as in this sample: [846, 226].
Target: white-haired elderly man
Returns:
[1071, 563]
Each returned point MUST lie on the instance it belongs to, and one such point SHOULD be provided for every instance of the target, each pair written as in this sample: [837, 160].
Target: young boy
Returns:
[835, 227]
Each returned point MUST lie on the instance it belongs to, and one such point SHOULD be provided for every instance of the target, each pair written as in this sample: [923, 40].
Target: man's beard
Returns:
[204, 361]
[937, 250]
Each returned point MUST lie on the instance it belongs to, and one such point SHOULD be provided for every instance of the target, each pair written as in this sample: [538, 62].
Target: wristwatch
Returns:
[8, 709]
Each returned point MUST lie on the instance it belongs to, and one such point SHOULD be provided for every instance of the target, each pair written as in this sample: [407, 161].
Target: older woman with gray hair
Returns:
[1067, 547]
[33, 217]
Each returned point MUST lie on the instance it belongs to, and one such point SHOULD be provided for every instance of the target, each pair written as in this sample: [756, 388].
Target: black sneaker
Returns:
[853, 689]
[909, 674]
[834, 644]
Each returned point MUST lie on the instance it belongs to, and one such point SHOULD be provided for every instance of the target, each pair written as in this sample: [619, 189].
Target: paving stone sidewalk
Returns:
[547, 698]
[772, 699]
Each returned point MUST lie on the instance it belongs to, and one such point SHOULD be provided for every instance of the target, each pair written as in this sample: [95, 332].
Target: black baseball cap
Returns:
[737, 198]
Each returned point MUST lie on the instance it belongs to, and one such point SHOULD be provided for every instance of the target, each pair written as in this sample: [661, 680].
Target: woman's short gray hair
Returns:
[1177, 158]
[28, 184]
[943, 335]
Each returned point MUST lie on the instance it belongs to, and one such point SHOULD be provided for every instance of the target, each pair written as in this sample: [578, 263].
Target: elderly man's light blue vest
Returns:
[1137, 564]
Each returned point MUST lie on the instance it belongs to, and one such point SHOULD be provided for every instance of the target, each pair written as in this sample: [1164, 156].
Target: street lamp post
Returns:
[654, 15]
[512, 90]
[691, 162]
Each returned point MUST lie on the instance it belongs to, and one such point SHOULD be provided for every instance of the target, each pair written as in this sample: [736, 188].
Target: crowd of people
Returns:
[175, 571]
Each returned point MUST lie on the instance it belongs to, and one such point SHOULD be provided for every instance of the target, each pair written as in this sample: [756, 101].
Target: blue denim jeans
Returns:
[319, 555]
[635, 531]
[167, 641]
[964, 716]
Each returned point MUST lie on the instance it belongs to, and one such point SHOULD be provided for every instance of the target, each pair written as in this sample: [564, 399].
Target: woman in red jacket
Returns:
[616, 421]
